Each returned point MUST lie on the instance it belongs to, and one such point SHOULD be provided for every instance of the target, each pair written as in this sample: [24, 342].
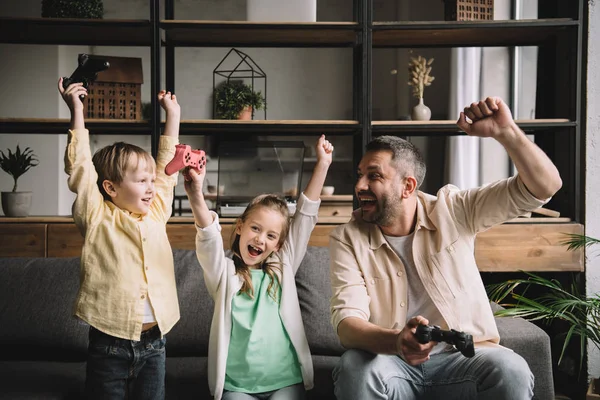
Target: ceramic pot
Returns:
[420, 112]
[246, 113]
[16, 204]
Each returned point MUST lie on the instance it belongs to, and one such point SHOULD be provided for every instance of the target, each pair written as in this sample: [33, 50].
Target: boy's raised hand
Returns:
[324, 151]
[71, 94]
[168, 102]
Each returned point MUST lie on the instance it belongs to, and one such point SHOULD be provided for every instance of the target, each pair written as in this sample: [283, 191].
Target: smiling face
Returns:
[135, 192]
[259, 235]
[379, 188]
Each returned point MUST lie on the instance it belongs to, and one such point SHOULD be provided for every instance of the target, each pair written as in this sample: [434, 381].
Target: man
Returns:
[407, 258]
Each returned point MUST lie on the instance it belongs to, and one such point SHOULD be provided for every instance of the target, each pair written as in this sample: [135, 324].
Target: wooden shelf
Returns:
[68, 31]
[54, 126]
[188, 127]
[258, 34]
[448, 127]
[271, 127]
[470, 33]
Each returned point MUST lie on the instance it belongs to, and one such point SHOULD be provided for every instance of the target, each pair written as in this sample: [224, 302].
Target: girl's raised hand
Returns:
[193, 181]
[324, 150]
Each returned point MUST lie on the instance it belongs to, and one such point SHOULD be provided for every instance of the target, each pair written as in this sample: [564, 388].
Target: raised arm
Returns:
[492, 118]
[78, 160]
[317, 180]
[169, 103]
[70, 96]
[194, 181]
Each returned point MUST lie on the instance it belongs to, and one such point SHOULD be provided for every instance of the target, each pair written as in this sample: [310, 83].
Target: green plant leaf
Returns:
[232, 96]
[17, 163]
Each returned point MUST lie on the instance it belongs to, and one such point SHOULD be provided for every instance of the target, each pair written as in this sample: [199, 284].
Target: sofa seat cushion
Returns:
[187, 378]
[323, 366]
[42, 380]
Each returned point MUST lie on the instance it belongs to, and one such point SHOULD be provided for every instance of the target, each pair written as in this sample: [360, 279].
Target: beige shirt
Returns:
[368, 279]
[126, 258]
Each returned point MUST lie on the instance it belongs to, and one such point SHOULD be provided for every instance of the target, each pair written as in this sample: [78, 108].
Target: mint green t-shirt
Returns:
[261, 356]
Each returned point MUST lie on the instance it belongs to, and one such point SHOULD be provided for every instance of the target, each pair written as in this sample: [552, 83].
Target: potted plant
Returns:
[14, 203]
[236, 100]
[578, 312]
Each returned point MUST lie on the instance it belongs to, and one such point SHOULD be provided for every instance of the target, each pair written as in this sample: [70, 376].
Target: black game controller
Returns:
[87, 71]
[462, 341]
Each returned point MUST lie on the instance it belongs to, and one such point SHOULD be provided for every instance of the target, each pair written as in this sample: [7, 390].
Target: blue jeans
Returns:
[125, 369]
[492, 374]
[294, 392]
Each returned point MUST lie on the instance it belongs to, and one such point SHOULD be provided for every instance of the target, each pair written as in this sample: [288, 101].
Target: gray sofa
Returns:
[44, 347]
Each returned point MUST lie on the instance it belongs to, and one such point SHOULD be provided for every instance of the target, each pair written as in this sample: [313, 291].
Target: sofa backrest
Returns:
[189, 336]
[314, 292]
[37, 297]
[36, 310]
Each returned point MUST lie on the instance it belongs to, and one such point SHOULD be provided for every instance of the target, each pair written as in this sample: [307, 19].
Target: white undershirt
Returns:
[419, 301]
[148, 312]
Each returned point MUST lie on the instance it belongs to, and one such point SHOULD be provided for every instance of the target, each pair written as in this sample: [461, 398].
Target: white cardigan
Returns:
[222, 284]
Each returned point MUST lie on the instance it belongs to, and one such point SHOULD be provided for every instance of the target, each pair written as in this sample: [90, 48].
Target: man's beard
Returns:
[387, 210]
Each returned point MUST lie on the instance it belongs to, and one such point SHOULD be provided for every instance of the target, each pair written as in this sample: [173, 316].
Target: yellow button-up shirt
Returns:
[126, 257]
[368, 278]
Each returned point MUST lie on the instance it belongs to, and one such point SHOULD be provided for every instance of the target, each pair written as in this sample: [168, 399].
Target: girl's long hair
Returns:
[272, 265]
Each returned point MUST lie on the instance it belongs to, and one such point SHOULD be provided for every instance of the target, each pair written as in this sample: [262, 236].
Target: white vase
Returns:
[420, 112]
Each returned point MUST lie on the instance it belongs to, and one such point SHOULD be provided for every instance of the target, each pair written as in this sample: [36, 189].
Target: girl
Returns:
[258, 349]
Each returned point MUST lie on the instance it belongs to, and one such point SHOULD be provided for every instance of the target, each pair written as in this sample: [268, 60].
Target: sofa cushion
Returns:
[314, 292]
[186, 378]
[42, 380]
[189, 337]
[36, 309]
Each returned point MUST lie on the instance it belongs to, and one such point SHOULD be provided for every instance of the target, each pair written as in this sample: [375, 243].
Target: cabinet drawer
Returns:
[335, 210]
[64, 240]
[22, 240]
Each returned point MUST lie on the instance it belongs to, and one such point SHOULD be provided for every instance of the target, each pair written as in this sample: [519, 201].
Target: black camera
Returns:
[87, 70]
[462, 341]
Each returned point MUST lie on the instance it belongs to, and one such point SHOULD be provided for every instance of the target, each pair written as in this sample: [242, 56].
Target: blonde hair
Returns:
[111, 162]
[271, 267]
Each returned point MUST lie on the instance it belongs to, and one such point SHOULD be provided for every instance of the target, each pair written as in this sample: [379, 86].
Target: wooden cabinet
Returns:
[508, 247]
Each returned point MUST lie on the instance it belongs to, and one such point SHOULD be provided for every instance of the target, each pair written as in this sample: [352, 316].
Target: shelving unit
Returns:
[559, 35]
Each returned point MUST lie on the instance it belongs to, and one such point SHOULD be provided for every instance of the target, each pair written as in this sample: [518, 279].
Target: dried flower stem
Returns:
[418, 75]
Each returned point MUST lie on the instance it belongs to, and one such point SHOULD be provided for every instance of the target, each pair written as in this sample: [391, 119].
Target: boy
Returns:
[127, 293]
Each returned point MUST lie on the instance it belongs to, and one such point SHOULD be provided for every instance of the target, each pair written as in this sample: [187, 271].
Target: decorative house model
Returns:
[117, 92]
[468, 10]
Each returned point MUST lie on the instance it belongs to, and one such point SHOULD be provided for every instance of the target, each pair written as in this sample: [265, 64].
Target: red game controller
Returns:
[186, 157]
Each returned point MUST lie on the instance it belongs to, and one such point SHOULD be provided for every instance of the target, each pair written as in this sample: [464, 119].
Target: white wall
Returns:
[592, 170]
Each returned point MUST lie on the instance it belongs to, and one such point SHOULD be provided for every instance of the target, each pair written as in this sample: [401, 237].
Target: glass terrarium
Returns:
[249, 169]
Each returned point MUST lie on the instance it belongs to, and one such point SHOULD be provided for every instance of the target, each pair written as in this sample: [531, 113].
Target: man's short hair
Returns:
[407, 157]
